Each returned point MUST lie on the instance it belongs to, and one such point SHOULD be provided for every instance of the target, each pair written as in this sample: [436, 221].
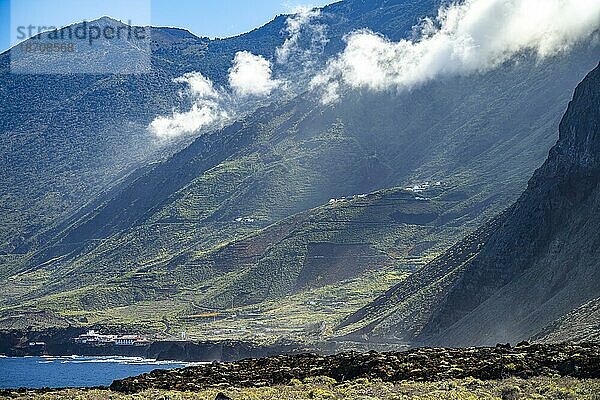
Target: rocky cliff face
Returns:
[543, 261]
[538, 262]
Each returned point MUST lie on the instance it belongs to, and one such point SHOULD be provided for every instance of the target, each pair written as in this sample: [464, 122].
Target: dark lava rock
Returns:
[221, 396]
[420, 364]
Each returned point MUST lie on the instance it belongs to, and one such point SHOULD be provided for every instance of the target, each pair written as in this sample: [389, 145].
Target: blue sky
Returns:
[215, 18]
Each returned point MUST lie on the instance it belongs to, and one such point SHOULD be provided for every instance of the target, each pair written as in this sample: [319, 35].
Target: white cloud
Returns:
[302, 21]
[200, 116]
[212, 107]
[199, 86]
[251, 75]
[471, 37]
[207, 110]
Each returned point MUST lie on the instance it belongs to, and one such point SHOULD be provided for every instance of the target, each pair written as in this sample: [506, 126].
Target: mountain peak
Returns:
[107, 19]
[579, 142]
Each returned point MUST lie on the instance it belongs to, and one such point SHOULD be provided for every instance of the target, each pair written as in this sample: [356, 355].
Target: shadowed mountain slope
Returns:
[530, 266]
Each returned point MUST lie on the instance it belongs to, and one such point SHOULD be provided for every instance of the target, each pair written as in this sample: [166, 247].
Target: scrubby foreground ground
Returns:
[326, 388]
[421, 364]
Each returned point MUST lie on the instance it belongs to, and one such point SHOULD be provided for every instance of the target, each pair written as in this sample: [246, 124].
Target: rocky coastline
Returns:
[526, 370]
[420, 364]
[59, 342]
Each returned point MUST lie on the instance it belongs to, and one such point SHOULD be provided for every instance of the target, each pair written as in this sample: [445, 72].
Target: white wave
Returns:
[121, 360]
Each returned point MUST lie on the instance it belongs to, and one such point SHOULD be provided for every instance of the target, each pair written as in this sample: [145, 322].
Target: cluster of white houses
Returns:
[95, 339]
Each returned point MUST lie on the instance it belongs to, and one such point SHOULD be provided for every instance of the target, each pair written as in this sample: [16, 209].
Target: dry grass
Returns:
[326, 388]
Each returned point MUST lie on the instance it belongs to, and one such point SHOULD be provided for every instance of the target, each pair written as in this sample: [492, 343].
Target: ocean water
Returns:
[73, 371]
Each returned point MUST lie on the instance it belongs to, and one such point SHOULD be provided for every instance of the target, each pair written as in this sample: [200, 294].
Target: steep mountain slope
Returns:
[535, 263]
[176, 230]
[79, 133]
[579, 325]
[223, 223]
[66, 137]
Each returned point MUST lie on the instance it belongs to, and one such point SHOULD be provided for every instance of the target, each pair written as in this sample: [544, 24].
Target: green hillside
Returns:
[286, 221]
[222, 223]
